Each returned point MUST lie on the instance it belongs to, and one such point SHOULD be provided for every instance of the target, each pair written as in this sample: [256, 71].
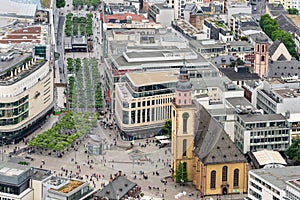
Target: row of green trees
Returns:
[271, 28]
[72, 92]
[85, 24]
[68, 24]
[70, 66]
[71, 127]
[75, 25]
[98, 97]
[94, 3]
[89, 24]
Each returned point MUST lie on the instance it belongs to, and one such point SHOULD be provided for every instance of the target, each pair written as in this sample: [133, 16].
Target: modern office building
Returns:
[15, 182]
[273, 183]
[255, 131]
[293, 189]
[26, 97]
[147, 58]
[143, 102]
[281, 96]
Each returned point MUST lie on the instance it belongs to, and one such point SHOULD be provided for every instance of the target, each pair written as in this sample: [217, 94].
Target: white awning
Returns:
[164, 141]
[161, 137]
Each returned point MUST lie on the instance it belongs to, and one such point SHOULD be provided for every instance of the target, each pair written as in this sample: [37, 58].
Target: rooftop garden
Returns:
[73, 184]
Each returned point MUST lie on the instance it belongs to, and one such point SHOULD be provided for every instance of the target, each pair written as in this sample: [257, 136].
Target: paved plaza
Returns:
[97, 169]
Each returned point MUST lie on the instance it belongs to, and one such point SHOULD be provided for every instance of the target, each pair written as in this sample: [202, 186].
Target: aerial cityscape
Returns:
[149, 100]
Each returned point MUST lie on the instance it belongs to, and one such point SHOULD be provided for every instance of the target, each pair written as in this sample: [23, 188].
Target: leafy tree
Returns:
[60, 3]
[244, 38]
[167, 128]
[181, 173]
[293, 11]
[237, 62]
[271, 28]
[293, 152]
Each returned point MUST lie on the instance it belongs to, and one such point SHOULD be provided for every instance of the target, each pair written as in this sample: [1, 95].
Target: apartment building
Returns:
[161, 13]
[26, 98]
[255, 131]
[239, 20]
[217, 30]
[273, 183]
[143, 103]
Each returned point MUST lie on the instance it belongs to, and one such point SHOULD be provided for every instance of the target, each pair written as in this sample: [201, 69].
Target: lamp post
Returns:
[2, 146]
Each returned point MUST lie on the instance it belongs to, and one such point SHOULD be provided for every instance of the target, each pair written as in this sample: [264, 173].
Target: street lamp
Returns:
[2, 146]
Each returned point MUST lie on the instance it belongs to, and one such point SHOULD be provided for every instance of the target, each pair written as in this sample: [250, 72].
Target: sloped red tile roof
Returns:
[135, 17]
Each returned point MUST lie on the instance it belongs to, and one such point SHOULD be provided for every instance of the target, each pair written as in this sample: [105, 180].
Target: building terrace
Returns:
[17, 65]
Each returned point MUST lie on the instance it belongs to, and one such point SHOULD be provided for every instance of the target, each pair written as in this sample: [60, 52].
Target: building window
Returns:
[185, 117]
[258, 48]
[213, 179]
[236, 178]
[184, 147]
[262, 58]
[224, 173]
[263, 48]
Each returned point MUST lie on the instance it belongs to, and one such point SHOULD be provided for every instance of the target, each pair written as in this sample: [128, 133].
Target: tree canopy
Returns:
[167, 127]
[293, 152]
[271, 28]
[293, 11]
[181, 173]
[60, 3]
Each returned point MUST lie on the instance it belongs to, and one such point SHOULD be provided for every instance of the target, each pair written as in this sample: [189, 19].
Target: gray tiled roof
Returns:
[238, 76]
[283, 68]
[274, 47]
[119, 186]
[212, 144]
[286, 24]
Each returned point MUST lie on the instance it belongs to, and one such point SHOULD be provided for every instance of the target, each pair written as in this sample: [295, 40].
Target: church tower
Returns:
[261, 56]
[183, 119]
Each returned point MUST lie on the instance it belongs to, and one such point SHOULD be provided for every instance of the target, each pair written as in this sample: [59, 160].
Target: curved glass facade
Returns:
[12, 113]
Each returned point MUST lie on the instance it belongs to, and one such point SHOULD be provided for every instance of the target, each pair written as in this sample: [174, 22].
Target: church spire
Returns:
[183, 94]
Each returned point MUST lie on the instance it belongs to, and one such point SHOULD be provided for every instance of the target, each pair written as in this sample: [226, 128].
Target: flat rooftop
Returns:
[288, 93]
[261, 118]
[238, 101]
[12, 169]
[17, 58]
[278, 176]
[40, 174]
[145, 59]
[167, 54]
[151, 78]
